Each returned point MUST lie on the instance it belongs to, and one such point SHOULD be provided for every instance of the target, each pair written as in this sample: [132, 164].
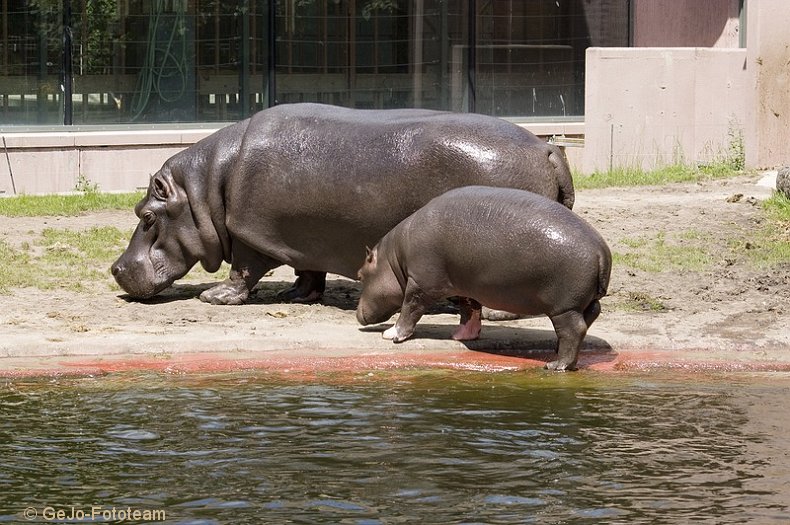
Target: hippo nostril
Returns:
[115, 269]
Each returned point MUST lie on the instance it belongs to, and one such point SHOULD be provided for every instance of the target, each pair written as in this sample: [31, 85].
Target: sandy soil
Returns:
[730, 313]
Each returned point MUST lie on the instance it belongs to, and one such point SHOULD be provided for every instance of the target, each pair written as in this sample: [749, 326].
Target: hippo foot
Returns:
[394, 335]
[308, 288]
[559, 366]
[225, 293]
[295, 295]
[468, 332]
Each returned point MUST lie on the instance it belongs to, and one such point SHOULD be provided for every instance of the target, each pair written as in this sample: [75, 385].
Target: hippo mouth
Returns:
[137, 292]
[366, 317]
[148, 294]
[143, 283]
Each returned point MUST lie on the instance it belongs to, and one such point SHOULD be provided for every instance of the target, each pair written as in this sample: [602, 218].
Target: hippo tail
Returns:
[567, 195]
[604, 272]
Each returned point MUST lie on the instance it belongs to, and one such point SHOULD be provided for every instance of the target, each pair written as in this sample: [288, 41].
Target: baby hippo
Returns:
[507, 249]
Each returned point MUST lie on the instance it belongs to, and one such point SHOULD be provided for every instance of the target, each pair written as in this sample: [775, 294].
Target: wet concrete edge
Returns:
[301, 363]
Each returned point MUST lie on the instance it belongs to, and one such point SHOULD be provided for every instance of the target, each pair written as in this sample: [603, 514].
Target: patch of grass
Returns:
[657, 255]
[778, 208]
[15, 267]
[639, 177]
[765, 248]
[770, 252]
[694, 235]
[771, 244]
[96, 244]
[634, 243]
[76, 260]
[73, 260]
[66, 205]
[643, 302]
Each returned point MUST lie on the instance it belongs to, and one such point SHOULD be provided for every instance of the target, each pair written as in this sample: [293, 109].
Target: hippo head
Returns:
[382, 294]
[174, 233]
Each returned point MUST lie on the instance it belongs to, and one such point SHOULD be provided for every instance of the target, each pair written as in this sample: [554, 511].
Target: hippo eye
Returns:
[149, 218]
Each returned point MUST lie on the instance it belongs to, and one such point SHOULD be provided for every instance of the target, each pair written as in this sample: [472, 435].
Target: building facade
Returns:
[105, 91]
[127, 62]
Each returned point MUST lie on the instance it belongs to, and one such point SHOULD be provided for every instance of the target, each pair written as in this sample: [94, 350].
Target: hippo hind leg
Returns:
[592, 312]
[571, 327]
[470, 320]
[308, 288]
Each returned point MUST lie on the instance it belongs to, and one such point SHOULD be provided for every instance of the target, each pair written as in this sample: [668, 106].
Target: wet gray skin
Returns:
[310, 186]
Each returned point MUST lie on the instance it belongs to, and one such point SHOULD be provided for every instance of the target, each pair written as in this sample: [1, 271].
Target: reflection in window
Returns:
[147, 61]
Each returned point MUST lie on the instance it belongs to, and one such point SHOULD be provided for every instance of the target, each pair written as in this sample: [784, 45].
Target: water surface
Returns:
[403, 448]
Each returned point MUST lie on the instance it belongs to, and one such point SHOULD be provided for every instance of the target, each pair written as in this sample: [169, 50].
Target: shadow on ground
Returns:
[509, 341]
[342, 294]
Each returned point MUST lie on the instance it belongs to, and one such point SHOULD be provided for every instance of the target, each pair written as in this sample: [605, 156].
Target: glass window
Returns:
[159, 61]
[141, 61]
[31, 62]
[370, 53]
[530, 55]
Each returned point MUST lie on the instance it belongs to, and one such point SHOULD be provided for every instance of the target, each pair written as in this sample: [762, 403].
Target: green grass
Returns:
[66, 205]
[771, 245]
[75, 260]
[642, 302]
[657, 254]
[620, 177]
[60, 258]
[763, 250]
[95, 244]
[778, 208]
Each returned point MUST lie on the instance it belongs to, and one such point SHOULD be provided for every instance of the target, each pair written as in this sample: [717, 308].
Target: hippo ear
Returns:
[370, 255]
[162, 187]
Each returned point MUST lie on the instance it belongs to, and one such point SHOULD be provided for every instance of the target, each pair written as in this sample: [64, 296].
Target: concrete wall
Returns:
[686, 23]
[655, 106]
[768, 65]
[115, 161]
[650, 107]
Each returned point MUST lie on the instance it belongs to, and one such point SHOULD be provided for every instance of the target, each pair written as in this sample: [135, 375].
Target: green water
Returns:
[397, 448]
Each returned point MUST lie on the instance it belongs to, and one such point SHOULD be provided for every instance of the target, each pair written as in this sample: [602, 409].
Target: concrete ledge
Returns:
[115, 160]
[71, 139]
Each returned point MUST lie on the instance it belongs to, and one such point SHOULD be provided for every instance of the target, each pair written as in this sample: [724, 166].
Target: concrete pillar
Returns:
[767, 133]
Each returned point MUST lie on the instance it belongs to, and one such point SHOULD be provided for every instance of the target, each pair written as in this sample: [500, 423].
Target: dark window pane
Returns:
[530, 55]
[370, 53]
[146, 61]
[30, 62]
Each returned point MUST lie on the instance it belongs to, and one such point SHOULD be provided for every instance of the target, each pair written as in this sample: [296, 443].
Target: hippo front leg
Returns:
[247, 268]
[415, 303]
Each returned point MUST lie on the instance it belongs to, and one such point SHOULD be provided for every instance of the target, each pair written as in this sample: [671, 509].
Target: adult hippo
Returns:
[310, 186]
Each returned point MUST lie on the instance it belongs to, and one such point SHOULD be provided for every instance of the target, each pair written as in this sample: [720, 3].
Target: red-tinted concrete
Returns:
[300, 364]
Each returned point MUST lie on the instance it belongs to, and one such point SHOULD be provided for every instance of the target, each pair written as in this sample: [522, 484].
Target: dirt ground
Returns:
[724, 313]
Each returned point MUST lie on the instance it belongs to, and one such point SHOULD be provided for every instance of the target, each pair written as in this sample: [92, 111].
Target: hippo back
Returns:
[312, 185]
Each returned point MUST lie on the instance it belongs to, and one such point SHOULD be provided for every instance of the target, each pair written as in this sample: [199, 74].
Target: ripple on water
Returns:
[476, 448]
